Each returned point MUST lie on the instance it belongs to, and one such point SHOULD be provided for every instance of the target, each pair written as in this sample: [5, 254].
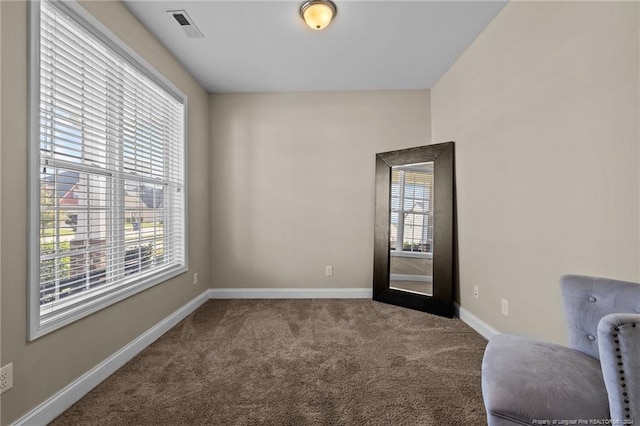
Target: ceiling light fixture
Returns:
[318, 14]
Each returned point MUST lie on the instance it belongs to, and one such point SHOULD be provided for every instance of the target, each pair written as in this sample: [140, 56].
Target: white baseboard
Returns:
[291, 293]
[405, 277]
[65, 398]
[474, 322]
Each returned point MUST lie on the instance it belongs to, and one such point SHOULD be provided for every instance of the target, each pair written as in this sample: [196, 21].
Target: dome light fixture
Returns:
[318, 14]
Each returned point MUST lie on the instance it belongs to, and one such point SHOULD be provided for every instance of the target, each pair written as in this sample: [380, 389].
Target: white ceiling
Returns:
[264, 46]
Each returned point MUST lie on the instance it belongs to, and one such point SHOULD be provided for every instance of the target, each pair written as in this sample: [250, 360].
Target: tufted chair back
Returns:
[587, 300]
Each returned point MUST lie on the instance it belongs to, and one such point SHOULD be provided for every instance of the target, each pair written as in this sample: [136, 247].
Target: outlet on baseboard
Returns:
[6, 378]
[476, 291]
[195, 278]
[505, 307]
[328, 270]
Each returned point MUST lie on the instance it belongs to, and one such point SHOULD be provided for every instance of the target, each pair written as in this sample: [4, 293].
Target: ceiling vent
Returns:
[187, 24]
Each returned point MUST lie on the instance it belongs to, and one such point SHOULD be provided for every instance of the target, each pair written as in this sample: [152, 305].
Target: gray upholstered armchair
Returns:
[595, 381]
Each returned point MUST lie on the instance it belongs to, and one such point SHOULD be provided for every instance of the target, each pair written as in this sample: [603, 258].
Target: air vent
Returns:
[187, 24]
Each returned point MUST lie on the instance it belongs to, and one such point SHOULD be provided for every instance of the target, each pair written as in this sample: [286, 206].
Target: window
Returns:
[412, 208]
[107, 175]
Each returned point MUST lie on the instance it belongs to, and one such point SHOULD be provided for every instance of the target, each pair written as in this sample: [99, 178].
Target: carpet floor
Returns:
[297, 362]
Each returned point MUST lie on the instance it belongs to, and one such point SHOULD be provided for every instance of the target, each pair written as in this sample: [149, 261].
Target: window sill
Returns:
[108, 297]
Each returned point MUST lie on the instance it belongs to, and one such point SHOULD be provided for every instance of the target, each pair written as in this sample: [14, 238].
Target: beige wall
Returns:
[46, 365]
[293, 183]
[544, 110]
[410, 265]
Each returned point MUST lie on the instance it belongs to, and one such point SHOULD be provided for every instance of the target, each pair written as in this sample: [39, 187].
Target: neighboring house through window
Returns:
[107, 172]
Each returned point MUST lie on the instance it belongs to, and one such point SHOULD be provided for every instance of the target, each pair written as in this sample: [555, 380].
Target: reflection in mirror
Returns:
[411, 228]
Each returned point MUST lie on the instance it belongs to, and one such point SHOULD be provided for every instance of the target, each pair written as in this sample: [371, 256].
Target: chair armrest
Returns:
[619, 345]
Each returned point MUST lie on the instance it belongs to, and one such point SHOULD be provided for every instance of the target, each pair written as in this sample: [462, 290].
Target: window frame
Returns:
[401, 212]
[83, 18]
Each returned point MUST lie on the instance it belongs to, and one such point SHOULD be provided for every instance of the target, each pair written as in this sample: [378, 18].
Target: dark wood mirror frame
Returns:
[441, 302]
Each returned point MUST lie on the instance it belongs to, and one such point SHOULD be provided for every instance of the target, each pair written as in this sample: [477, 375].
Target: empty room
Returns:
[319, 212]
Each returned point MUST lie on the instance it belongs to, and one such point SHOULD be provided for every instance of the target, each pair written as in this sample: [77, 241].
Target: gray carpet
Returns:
[297, 362]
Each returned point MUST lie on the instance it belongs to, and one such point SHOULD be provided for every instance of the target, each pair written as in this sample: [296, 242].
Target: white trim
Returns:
[405, 277]
[69, 395]
[422, 293]
[474, 322]
[33, 196]
[291, 293]
[409, 254]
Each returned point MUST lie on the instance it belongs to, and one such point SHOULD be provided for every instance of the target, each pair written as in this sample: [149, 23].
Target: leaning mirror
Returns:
[413, 251]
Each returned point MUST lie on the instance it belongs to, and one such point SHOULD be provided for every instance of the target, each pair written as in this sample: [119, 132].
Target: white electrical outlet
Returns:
[328, 271]
[6, 377]
[505, 307]
[195, 278]
[476, 291]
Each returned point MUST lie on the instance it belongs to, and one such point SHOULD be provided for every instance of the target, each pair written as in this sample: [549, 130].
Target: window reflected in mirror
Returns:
[411, 228]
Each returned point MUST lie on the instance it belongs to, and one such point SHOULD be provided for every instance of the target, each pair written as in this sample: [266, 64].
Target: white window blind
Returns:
[110, 197]
[412, 208]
